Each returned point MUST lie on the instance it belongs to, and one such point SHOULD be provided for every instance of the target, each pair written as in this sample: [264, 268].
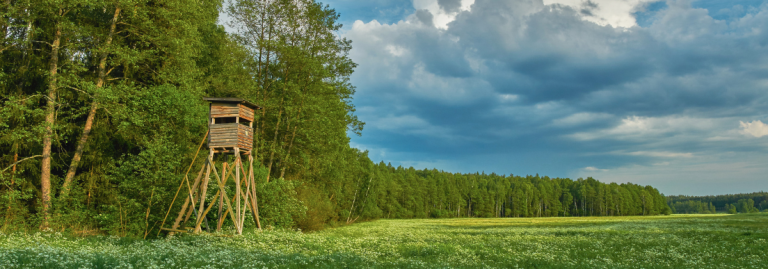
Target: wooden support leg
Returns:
[245, 194]
[189, 199]
[220, 221]
[196, 192]
[226, 198]
[207, 209]
[203, 190]
[238, 190]
[222, 217]
[250, 193]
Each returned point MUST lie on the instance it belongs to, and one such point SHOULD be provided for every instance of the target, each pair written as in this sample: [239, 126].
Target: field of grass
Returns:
[677, 241]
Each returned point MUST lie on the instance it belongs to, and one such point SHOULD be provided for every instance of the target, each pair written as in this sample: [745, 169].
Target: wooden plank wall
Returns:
[245, 137]
[246, 113]
[230, 135]
[223, 110]
[223, 135]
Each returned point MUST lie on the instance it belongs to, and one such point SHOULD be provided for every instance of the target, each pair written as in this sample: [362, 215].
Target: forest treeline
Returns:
[410, 193]
[727, 203]
[102, 114]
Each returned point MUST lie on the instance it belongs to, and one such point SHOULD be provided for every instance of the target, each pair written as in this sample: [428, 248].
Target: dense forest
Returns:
[102, 114]
[408, 193]
[730, 203]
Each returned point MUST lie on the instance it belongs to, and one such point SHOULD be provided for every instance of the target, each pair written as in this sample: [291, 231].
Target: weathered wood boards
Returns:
[231, 123]
[245, 112]
[231, 135]
[224, 110]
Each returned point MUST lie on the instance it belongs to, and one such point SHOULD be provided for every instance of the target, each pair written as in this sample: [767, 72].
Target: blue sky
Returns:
[672, 94]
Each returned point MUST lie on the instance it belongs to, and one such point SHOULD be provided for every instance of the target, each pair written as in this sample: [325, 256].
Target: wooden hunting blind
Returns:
[230, 123]
[230, 132]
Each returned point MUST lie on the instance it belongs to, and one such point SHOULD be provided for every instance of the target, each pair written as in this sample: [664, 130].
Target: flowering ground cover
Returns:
[677, 241]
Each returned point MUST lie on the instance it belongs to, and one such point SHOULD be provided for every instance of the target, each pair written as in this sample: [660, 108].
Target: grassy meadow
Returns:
[676, 241]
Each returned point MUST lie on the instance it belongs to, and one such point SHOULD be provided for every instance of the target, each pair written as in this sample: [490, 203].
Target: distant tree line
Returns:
[101, 117]
[410, 193]
[728, 203]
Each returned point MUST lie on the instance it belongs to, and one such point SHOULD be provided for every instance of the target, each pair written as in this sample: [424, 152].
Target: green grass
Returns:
[678, 241]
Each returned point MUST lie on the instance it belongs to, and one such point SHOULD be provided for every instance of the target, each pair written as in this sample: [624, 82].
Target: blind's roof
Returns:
[231, 100]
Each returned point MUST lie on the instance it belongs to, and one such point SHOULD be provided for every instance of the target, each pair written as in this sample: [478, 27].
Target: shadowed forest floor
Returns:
[676, 241]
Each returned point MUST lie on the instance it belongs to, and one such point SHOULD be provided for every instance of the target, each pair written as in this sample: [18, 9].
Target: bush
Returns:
[278, 205]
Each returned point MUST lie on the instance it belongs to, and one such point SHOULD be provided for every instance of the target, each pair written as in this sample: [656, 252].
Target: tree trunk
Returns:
[274, 141]
[288, 154]
[293, 135]
[265, 87]
[50, 113]
[92, 113]
[10, 188]
[263, 70]
[353, 201]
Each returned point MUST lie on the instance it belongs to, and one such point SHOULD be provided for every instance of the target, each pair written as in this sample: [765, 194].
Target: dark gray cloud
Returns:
[587, 8]
[449, 6]
[523, 87]
[425, 17]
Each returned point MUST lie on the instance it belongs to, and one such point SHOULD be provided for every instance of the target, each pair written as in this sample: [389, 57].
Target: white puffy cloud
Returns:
[643, 128]
[755, 128]
[605, 12]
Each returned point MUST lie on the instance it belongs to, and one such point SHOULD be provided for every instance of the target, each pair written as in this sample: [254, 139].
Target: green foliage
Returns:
[692, 207]
[746, 206]
[411, 193]
[680, 241]
[698, 204]
[278, 204]
[721, 201]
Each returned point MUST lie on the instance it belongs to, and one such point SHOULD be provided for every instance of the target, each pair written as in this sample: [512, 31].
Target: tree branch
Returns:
[27, 158]
[79, 90]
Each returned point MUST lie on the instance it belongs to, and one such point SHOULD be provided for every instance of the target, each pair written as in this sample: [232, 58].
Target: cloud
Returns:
[662, 154]
[754, 128]
[449, 6]
[643, 128]
[443, 11]
[425, 17]
[582, 118]
[689, 177]
[542, 86]
[593, 169]
[605, 12]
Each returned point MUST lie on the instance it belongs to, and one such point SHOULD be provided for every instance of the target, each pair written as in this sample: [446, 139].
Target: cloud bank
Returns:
[665, 93]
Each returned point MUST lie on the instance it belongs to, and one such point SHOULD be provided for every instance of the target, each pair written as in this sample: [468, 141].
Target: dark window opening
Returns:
[232, 120]
[226, 120]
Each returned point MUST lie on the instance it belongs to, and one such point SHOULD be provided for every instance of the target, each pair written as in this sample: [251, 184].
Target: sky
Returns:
[672, 94]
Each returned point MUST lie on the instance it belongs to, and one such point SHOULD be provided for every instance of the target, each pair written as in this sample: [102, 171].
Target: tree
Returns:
[102, 53]
[567, 200]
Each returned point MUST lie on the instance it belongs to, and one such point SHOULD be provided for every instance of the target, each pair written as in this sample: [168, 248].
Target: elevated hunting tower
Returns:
[230, 132]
